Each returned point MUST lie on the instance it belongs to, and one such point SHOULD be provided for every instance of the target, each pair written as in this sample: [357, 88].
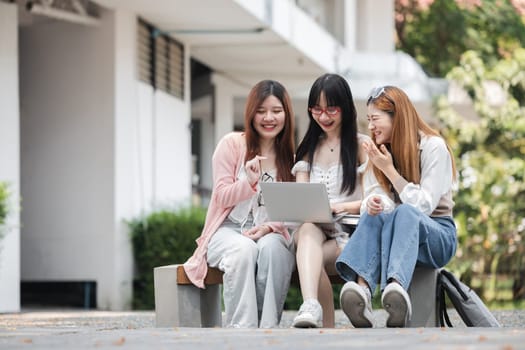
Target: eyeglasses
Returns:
[330, 110]
[376, 92]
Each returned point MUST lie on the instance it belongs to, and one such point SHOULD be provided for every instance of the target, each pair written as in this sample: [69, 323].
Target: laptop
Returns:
[301, 202]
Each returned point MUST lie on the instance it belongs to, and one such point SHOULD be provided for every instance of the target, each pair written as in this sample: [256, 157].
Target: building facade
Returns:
[112, 108]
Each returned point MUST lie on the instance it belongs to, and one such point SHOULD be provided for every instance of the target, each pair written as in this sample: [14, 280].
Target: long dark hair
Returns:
[337, 93]
[284, 142]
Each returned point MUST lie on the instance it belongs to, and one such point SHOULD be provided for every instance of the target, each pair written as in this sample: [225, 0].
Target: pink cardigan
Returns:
[227, 192]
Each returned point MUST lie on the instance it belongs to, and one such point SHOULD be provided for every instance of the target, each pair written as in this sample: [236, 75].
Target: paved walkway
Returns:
[71, 329]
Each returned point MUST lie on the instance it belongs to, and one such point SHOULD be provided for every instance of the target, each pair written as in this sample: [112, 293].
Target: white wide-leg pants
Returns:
[256, 276]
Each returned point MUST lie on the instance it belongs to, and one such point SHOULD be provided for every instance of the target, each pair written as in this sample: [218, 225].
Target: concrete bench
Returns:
[178, 303]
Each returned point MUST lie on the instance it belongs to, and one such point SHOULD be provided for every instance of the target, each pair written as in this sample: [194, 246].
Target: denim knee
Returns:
[407, 210]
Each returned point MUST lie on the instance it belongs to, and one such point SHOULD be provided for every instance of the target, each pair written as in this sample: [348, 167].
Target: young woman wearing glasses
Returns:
[406, 216]
[237, 238]
[329, 153]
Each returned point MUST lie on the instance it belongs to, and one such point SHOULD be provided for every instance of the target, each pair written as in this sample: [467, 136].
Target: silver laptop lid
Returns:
[297, 202]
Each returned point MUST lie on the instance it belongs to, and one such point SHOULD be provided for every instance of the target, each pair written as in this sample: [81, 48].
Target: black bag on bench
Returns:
[468, 304]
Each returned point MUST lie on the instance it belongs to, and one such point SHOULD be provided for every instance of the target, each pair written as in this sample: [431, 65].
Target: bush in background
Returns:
[4, 196]
[162, 238]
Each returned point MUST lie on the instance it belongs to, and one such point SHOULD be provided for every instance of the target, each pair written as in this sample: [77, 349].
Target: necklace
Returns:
[331, 148]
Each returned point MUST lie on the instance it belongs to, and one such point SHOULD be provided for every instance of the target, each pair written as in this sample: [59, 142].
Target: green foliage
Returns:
[490, 203]
[428, 36]
[436, 35]
[161, 238]
[4, 196]
[294, 298]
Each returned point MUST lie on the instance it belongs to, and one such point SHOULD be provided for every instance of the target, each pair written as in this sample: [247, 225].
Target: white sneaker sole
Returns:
[354, 306]
[305, 322]
[397, 307]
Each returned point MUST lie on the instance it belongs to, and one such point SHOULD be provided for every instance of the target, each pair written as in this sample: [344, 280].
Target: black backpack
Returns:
[468, 304]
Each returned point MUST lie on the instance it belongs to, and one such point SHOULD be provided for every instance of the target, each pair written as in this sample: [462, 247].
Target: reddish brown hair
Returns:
[406, 126]
[284, 142]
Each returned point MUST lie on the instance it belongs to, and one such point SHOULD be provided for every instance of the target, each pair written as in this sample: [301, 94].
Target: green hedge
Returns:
[161, 238]
[4, 194]
[168, 237]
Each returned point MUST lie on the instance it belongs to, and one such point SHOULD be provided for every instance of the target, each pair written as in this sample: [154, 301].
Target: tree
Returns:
[490, 203]
[437, 33]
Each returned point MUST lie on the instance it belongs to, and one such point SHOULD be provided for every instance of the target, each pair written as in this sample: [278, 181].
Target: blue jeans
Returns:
[390, 246]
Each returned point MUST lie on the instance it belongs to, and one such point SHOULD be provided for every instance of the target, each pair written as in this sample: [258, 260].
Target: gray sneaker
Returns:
[310, 315]
[356, 302]
[397, 303]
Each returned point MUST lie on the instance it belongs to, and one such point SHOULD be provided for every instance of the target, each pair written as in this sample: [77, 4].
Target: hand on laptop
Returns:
[338, 208]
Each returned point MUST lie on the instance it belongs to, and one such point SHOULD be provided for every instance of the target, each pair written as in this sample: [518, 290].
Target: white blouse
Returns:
[433, 196]
[332, 177]
[253, 205]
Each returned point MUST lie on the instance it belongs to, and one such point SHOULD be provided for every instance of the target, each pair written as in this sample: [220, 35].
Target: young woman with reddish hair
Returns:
[406, 213]
[237, 238]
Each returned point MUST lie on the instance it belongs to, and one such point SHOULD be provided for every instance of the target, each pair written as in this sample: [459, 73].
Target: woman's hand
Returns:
[253, 169]
[338, 208]
[257, 232]
[346, 207]
[380, 157]
[374, 205]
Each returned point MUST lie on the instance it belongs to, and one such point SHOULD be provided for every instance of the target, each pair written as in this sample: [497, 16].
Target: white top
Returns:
[433, 196]
[254, 205]
[332, 177]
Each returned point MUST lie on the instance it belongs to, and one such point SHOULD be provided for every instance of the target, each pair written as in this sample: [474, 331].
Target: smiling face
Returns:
[269, 118]
[329, 122]
[379, 124]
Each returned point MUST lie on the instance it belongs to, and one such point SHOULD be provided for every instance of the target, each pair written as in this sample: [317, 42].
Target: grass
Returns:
[506, 305]
[499, 295]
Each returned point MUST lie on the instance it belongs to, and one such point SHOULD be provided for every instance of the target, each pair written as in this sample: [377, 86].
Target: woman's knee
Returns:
[406, 210]
[405, 214]
[245, 251]
[274, 250]
[271, 242]
[306, 231]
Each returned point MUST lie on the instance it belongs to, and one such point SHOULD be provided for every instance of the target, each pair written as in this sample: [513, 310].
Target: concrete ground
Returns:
[77, 329]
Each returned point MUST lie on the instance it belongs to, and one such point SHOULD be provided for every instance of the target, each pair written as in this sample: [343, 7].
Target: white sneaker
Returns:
[310, 315]
[356, 302]
[397, 303]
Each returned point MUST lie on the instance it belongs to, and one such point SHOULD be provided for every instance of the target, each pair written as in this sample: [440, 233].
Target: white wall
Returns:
[126, 167]
[9, 157]
[375, 26]
[99, 148]
[172, 151]
[350, 24]
[143, 149]
[302, 32]
[225, 91]
[202, 109]
[67, 138]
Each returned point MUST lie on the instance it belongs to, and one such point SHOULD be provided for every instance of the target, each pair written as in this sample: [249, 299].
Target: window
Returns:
[160, 60]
